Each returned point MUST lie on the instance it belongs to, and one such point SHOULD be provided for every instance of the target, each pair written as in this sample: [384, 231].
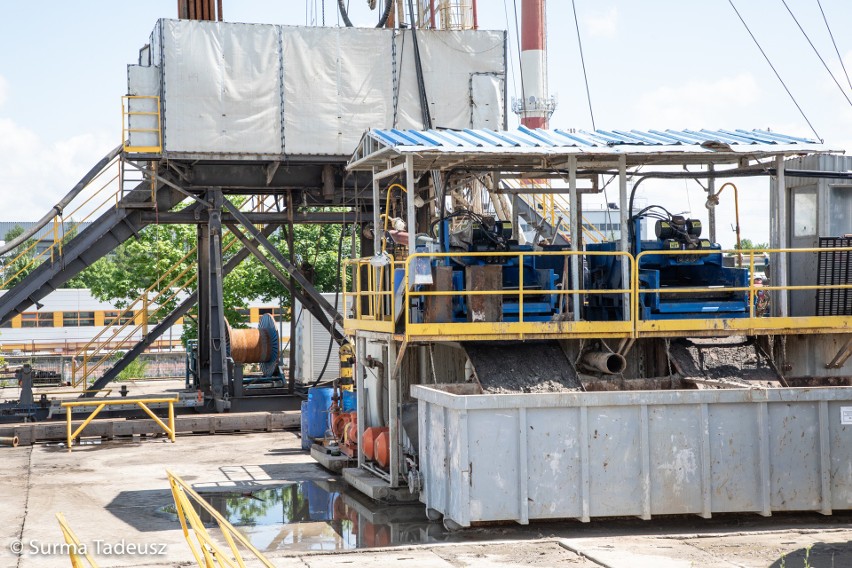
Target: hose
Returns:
[383, 19]
[342, 7]
[336, 298]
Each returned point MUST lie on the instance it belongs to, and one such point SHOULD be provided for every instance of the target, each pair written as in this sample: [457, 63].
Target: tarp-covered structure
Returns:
[249, 91]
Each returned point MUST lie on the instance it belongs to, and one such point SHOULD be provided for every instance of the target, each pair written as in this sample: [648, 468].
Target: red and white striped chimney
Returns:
[535, 106]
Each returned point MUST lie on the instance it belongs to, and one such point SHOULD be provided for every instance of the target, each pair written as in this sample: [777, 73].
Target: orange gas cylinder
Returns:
[369, 441]
[382, 448]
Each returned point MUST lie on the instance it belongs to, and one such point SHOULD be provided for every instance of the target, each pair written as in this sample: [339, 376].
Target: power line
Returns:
[833, 78]
[520, 59]
[583, 61]
[783, 84]
[509, 51]
[834, 43]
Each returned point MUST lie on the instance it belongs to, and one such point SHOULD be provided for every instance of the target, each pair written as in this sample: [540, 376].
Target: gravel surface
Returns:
[533, 367]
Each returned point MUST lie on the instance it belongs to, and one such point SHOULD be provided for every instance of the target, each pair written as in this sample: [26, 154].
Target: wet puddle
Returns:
[319, 515]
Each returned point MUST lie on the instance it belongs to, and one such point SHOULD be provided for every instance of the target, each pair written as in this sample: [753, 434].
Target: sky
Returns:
[651, 64]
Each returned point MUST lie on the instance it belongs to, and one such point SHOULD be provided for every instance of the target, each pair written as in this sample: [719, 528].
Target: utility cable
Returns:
[418, 68]
[833, 78]
[509, 51]
[520, 60]
[783, 84]
[834, 43]
[583, 61]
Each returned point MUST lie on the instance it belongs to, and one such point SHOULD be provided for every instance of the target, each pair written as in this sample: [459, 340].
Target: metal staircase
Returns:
[114, 218]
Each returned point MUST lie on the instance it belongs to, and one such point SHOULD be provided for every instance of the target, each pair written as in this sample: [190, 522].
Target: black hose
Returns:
[384, 19]
[341, 5]
[331, 341]
[686, 175]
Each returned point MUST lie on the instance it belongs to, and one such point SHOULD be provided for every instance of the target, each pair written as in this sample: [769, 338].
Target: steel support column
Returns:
[217, 343]
[203, 287]
[624, 244]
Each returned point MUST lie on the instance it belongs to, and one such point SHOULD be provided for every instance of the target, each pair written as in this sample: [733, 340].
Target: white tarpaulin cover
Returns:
[248, 90]
[221, 88]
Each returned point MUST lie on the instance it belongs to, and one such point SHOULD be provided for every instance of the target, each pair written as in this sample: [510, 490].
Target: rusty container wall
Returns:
[599, 454]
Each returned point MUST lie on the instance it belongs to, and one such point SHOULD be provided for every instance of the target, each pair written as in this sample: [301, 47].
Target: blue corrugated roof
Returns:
[526, 138]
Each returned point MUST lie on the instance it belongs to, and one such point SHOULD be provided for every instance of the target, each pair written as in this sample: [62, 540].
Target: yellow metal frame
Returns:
[207, 552]
[373, 315]
[100, 404]
[126, 113]
[77, 551]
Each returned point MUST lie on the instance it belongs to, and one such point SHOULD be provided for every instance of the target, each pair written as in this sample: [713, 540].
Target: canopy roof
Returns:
[527, 148]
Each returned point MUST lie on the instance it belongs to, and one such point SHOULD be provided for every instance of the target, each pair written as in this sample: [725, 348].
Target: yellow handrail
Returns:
[54, 250]
[100, 404]
[77, 551]
[126, 129]
[206, 551]
[373, 318]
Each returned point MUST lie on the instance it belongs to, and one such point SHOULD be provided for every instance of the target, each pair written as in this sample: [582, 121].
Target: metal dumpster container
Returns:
[494, 457]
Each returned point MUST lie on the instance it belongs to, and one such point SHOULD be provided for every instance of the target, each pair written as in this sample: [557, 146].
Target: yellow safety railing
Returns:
[375, 301]
[100, 404]
[754, 322]
[207, 552]
[93, 200]
[149, 117]
[77, 551]
[521, 328]
[372, 298]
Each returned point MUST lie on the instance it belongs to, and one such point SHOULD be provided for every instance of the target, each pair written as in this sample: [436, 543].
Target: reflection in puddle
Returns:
[319, 515]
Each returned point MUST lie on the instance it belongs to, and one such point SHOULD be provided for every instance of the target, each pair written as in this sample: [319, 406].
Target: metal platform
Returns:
[376, 488]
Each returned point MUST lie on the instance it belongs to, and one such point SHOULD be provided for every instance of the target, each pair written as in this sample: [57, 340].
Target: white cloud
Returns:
[34, 175]
[602, 24]
[696, 104]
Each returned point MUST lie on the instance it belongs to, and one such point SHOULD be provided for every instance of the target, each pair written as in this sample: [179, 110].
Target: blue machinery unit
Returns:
[482, 235]
[712, 297]
[697, 264]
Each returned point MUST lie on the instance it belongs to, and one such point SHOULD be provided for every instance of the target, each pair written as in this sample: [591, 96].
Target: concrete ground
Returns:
[116, 492]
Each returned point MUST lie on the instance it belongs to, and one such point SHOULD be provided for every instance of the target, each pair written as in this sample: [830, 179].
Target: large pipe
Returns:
[11, 441]
[605, 362]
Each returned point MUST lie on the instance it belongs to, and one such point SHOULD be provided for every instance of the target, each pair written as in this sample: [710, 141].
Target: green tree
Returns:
[747, 244]
[20, 261]
[140, 264]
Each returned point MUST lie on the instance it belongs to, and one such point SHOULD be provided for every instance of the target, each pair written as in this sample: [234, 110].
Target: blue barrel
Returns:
[316, 421]
[349, 401]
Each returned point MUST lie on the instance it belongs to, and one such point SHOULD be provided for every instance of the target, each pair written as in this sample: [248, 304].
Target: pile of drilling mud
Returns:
[531, 367]
[732, 359]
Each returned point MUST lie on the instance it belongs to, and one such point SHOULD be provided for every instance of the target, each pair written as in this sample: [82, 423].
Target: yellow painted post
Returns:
[68, 427]
[751, 290]
[145, 313]
[172, 421]
[521, 288]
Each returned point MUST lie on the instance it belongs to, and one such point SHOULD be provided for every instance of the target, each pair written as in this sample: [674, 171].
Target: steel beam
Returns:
[192, 218]
[307, 286]
[306, 300]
